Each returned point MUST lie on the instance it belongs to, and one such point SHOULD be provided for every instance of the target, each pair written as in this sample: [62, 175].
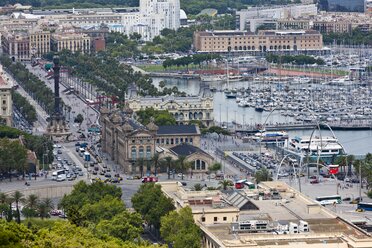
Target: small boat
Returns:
[259, 108]
[270, 137]
[230, 95]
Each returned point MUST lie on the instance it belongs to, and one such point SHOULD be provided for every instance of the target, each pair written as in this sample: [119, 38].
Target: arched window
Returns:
[134, 153]
[148, 152]
[202, 165]
[288, 47]
[235, 48]
[240, 48]
[249, 47]
[244, 47]
[197, 164]
[253, 48]
[141, 151]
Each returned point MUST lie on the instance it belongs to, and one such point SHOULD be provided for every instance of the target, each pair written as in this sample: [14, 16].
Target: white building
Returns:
[6, 102]
[249, 19]
[152, 17]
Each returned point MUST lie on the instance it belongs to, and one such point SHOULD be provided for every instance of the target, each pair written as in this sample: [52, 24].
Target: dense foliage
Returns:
[24, 107]
[161, 117]
[366, 169]
[41, 93]
[12, 157]
[151, 203]
[294, 59]
[56, 234]
[180, 230]
[190, 6]
[356, 37]
[196, 59]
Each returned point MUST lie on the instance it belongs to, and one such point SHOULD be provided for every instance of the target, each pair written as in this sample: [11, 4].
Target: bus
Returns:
[366, 206]
[56, 173]
[328, 200]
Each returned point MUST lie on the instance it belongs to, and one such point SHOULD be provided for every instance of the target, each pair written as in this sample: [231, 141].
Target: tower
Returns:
[57, 126]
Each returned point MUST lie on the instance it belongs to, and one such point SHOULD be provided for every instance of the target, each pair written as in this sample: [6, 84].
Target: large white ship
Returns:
[326, 146]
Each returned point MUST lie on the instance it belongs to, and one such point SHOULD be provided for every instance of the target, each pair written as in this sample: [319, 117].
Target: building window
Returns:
[148, 152]
[172, 141]
[186, 140]
[181, 140]
[197, 164]
[202, 165]
[176, 141]
[141, 151]
[134, 153]
[215, 218]
[162, 141]
[203, 219]
[190, 140]
[157, 141]
[167, 141]
[224, 218]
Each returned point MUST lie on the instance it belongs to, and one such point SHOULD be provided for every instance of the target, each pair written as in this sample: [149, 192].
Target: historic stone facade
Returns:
[126, 140]
[183, 109]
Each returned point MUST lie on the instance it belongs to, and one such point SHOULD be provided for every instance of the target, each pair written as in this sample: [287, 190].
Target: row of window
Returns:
[215, 219]
[173, 141]
[141, 152]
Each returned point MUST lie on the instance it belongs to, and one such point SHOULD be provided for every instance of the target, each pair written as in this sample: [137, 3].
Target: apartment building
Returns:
[71, 41]
[16, 44]
[6, 103]
[39, 42]
[265, 40]
[249, 19]
[272, 215]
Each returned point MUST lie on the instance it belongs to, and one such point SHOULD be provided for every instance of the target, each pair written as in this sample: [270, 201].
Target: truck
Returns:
[86, 156]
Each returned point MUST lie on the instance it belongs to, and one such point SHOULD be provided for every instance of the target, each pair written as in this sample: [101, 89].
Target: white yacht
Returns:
[270, 137]
[326, 146]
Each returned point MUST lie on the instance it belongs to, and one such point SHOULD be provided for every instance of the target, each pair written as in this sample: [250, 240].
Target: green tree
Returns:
[198, 187]
[18, 198]
[30, 208]
[169, 163]
[183, 165]
[214, 168]
[180, 230]
[156, 162]
[104, 209]
[262, 175]
[161, 117]
[84, 193]
[125, 226]
[151, 203]
[225, 183]
[44, 208]
[13, 234]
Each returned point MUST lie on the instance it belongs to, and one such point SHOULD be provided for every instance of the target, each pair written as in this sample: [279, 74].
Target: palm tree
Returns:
[6, 206]
[225, 183]
[198, 187]
[156, 161]
[169, 162]
[32, 201]
[183, 164]
[18, 198]
[44, 208]
[140, 162]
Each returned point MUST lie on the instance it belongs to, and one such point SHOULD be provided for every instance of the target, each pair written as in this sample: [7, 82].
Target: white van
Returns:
[61, 178]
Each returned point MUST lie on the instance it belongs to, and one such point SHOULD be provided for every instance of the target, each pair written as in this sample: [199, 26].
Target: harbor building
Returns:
[127, 141]
[184, 109]
[6, 103]
[271, 215]
[251, 18]
[265, 41]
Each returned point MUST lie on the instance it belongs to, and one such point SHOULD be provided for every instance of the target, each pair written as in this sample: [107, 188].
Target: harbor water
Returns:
[357, 142]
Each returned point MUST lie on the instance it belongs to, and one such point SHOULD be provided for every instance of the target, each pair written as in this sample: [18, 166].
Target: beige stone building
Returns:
[265, 40]
[39, 42]
[16, 44]
[183, 109]
[127, 141]
[71, 41]
[272, 216]
[6, 103]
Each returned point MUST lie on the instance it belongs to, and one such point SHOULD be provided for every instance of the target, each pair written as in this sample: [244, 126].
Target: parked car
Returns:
[149, 179]
[314, 181]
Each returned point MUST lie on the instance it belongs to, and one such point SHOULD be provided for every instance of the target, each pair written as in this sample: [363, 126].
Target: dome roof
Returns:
[127, 127]
[116, 119]
[183, 14]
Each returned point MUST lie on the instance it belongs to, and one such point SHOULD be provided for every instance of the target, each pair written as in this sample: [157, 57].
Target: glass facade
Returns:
[342, 5]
